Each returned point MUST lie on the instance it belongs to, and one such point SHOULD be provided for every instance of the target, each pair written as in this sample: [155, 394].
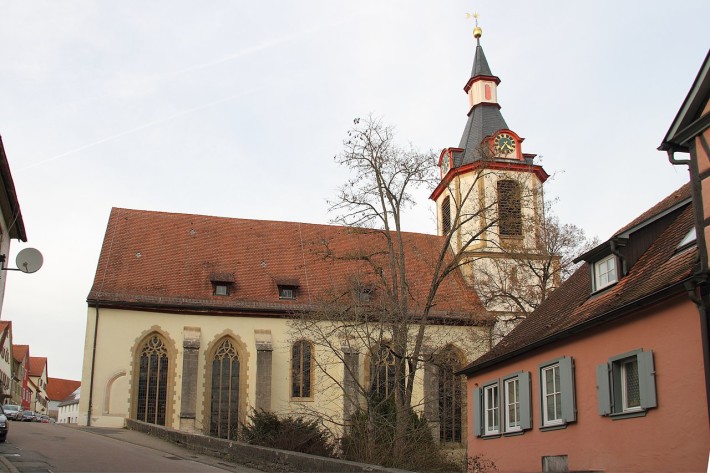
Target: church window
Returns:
[382, 372]
[509, 209]
[287, 292]
[449, 398]
[445, 216]
[221, 289]
[301, 373]
[153, 381]
[225, 391]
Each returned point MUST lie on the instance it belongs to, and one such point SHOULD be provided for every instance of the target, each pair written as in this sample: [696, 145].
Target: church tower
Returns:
[490, 198]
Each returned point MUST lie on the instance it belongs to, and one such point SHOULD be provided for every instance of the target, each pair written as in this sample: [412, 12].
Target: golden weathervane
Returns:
[477, 31]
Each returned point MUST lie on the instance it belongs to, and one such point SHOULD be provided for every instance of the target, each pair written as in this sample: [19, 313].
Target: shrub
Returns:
[370, 439]
[290, 433]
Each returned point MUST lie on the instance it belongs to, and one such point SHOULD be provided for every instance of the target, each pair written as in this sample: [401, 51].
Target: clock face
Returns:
[505, 143]
[444, 166]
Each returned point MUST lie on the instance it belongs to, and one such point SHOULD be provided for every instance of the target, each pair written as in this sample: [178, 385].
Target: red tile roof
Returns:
[59, 389]
[20, 352]
[168, 260]
[572, 308]
[37, 365]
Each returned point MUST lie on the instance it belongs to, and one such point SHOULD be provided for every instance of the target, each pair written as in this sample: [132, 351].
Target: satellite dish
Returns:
[29, 260]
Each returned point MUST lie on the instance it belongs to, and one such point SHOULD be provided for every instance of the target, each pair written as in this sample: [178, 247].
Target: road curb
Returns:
[6, 465]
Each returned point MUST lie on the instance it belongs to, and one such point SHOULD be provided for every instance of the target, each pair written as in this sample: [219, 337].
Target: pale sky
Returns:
[236, 109]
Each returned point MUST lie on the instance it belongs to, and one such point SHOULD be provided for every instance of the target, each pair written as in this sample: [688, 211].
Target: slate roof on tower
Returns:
[484, 119]
[169, 261]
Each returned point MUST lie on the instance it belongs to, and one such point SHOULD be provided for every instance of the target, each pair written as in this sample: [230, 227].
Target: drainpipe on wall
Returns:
[698, 288]
[93, 361]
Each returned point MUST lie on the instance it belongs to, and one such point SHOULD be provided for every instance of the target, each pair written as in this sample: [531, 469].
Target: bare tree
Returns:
[382, 308]
[522, 278]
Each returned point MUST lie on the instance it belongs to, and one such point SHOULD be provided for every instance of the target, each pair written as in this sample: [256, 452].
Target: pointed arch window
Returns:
[382, 372]
[510, 221]
[450, 397]
[224, 402]
[301, 381]
[445, 215]
[153, 381]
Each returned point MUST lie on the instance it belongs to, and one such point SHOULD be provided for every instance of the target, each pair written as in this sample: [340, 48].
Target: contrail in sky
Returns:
[146, 125]
[227, 58]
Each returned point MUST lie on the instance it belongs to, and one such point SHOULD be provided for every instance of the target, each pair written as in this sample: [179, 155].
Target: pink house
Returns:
[608, 373]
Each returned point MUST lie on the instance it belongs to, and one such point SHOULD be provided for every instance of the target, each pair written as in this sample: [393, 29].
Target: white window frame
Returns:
[555, 396]
[512, 423]
[602, 269]
[491, 423]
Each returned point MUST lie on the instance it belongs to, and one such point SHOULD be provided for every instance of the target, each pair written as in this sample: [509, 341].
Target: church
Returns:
[193, 321]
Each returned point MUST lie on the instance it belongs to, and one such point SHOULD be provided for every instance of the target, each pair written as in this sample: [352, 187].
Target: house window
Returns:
[551, 395]
[287, 292]
[626, 385]
[557, 401]
[512, 404]
[491, 410]
[510, 218]
[445, 216]
[301, 356]
[509, 408]
[605, 272]
[382, 372]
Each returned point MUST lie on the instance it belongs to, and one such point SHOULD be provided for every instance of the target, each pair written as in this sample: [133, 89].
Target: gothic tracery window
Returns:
[224, 403]
[382, 372]
[301, 356]
[449, 397]
[152, 381]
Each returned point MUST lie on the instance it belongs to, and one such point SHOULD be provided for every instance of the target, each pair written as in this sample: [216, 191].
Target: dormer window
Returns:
[687, 241]
[605, 273]
[222, 283]
[287, 292]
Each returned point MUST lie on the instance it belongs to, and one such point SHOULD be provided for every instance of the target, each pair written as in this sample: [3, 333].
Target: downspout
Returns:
[699, 284]
[93, 361]
[695, 286]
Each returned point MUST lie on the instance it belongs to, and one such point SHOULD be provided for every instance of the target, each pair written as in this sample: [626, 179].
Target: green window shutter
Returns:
[603, 393]
[525, 401]
[647, 379]
[477, 419]
[569, 410]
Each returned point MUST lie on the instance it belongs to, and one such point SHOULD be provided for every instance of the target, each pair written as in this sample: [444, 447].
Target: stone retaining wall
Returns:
[243, 453]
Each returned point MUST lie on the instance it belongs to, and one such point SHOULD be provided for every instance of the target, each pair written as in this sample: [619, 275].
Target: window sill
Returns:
[490, 436]
[301, 399]
[513, 433]
[547, 428]
[628, 414]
